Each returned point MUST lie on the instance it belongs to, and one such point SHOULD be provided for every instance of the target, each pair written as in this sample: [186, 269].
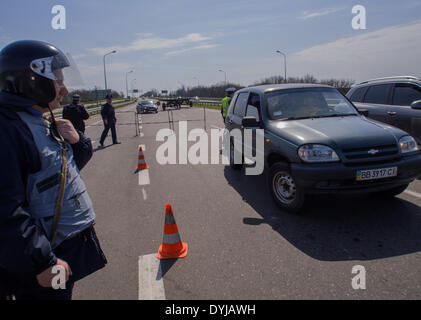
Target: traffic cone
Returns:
[141, 165]
[172, 247]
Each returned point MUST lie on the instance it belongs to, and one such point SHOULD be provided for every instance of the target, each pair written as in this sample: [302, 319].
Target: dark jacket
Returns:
[76, 113]
[23, 246]
[108, 113]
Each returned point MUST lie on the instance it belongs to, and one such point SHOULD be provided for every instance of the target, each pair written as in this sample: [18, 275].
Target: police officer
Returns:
[108, 116]
[226, 102]
[46, 215]
[76, 113]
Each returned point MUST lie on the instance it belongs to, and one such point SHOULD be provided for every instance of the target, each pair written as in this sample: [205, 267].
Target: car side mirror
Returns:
[363, 112]
[250, 122]
[416, 105]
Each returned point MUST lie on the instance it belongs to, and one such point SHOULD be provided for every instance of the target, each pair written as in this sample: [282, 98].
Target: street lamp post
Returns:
[127, 88]
[285, 64]
[225, 76]
[105, 72]
[131, 86]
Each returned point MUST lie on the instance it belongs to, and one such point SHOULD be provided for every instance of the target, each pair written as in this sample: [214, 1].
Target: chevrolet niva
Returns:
[315, 141]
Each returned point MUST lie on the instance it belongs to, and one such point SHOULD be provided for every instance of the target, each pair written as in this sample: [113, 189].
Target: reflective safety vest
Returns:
[225, 104]
[77, 212]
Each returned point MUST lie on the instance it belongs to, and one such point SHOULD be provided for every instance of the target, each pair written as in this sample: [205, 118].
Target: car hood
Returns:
[337, 132]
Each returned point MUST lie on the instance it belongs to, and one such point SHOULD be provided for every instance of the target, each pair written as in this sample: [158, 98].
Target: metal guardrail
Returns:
[58, 114]
[208, 102]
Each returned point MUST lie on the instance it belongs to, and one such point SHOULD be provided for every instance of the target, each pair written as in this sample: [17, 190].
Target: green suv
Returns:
[315, 141]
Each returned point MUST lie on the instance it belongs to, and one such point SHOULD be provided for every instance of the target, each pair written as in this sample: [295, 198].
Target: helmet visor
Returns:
[49, 68]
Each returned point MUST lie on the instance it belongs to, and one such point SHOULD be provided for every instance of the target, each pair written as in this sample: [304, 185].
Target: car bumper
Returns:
[339, 178]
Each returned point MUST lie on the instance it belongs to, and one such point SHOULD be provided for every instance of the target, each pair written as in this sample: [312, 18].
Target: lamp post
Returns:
[285, 64]
[127, 88]
[105, 72]
[225, 76]
[131, 85]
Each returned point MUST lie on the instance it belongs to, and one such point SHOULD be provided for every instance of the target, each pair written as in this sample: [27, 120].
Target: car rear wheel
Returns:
[284, 189]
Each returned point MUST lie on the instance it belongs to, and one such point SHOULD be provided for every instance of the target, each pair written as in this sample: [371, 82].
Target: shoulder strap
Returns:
[60, 196]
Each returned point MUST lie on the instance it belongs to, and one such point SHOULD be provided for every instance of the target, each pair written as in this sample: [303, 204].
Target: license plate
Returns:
[376, 173]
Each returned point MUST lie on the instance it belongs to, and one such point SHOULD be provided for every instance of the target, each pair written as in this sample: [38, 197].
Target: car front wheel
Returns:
[284, 189]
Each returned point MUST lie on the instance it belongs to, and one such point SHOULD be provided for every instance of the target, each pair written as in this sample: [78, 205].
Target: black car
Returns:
[146, 106]
[394, 100]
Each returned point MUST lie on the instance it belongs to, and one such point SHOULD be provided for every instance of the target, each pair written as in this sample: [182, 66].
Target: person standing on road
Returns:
[226, 102]
[76, 113]
[46, 214]
[108, 116]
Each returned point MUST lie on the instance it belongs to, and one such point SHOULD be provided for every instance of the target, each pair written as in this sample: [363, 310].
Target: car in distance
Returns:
[393, 100]
[317, 142]
[146, 106]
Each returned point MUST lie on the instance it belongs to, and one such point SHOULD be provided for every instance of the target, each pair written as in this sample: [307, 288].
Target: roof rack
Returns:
[392, 78]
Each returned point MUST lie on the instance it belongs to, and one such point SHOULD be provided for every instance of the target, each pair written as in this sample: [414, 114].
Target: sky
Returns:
[170, 43]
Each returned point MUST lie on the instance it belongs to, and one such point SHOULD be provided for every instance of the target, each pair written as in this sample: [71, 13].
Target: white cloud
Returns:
[148, 42]
[205, 46]
[309, 15]
[386, 52]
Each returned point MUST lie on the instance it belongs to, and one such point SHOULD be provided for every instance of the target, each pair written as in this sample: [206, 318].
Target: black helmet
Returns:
[76, 97]
[27, 69]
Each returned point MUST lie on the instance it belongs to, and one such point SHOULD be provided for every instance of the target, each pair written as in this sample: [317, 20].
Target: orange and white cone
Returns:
[172, 247]
[141, 165]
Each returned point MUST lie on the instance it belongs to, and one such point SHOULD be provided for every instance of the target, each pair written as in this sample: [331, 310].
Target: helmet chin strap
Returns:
[54, 127]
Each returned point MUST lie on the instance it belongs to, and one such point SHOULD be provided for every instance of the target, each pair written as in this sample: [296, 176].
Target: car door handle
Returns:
[391, 113]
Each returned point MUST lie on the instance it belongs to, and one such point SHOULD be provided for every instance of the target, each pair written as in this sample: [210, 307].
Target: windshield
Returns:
[308, 103]
[146, 103]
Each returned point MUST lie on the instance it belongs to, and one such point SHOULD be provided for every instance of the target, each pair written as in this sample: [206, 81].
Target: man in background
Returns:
[108, 116]
[226, 102]
[76, 113]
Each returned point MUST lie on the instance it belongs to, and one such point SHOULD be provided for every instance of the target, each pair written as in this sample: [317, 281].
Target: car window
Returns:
[308, 103]
[405, 93]
[241, 104]
[253, 106]
[358, 94]
[378, 94]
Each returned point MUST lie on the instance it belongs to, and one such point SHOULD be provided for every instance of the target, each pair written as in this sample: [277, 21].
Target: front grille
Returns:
[372, 154]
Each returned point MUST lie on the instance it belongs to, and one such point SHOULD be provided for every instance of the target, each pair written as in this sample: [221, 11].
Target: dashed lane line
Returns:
[151, 283]
[414, 194]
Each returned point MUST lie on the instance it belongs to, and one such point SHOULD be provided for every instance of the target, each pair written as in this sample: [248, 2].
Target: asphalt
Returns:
[241, 245]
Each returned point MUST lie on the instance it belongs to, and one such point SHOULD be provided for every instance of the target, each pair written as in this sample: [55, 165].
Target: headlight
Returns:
[408, 144]
[317, 153]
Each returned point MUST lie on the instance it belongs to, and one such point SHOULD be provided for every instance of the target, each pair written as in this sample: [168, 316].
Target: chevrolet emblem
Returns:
[373, 152]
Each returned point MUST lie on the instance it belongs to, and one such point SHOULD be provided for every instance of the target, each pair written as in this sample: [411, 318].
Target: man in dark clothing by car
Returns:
[108, 116]
[46, 214]
[76, 113]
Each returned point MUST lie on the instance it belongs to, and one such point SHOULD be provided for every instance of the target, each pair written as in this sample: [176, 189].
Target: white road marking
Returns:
[145, 195]
[144, 179]
[151, 283]
[141, 134]
[414, 194]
